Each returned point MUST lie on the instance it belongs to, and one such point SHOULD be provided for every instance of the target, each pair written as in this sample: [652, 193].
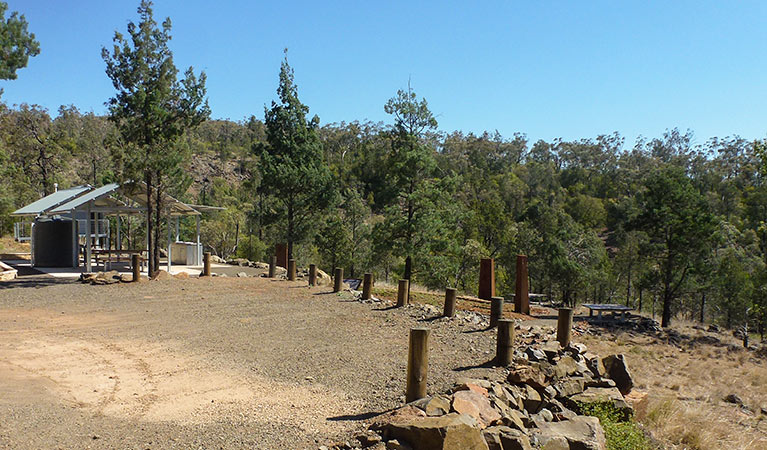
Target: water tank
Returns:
[52, 242]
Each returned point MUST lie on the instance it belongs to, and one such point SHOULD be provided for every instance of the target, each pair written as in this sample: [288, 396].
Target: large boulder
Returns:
[505, 438]
[579, 433]
[475, 405]
[323, 279]
[449, 432]
[536, 375]
[610, 396]
[617, 370]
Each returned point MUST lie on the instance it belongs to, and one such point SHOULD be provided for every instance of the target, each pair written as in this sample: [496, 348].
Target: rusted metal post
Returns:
[496, 310]
[486, 279]
[564, 325]
[338, 279]
[281, 252]
[505, 345]
[136, 264]
[521, 295]
[417, 364]
[449, 310]
[312, 274]
[272, 266]
[292, 270]
[367, 286]
[206, 264]
[402, 289]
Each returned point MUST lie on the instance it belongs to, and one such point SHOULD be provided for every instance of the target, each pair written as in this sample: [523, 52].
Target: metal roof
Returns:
[51, 201]
[95, 194]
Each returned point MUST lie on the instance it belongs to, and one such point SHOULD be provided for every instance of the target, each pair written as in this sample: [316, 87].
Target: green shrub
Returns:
[621, 433]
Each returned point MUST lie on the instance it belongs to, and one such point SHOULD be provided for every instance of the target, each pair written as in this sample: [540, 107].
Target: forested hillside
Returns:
[601, 219]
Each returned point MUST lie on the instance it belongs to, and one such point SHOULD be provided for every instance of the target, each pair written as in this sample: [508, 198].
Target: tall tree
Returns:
[151, 109]
[17, 44]
[292, 164]
[679, 225]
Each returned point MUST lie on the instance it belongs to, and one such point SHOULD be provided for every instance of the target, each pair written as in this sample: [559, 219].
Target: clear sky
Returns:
[570, 69]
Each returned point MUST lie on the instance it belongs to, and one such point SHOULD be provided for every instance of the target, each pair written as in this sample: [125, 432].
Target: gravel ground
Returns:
[221, 362]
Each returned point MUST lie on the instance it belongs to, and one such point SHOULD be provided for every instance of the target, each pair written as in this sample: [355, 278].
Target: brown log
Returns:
[486, 279]
[206, 264]
[367, 286]
[312, 274]
[402, 289]
[272, 266]
[496, 310]
[564, 326]
[338, 279]
[505, 344]
[449, 310]
[292, 270]
[136, 265]
[521, 295]
[417, 364]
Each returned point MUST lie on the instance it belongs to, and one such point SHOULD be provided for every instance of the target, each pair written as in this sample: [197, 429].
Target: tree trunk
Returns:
[702, 306]
[666, 318]
[640, 300]
[151, 268]
[408, 274]
[628, 287]
[157, 225]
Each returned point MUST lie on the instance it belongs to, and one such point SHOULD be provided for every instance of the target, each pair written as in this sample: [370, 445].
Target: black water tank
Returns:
[52, 242]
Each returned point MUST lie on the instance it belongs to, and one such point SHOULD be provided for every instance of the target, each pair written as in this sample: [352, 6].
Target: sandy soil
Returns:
[222, 362]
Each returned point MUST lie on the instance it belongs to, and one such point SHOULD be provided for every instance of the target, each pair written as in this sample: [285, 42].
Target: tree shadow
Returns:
[388, 308]
[357, 417]
[431, 319]
[485, 365]
[478, 330]
[34, 281]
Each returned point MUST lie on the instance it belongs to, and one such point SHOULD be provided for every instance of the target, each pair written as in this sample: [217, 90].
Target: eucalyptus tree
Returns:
[151, 109]
[17, 44]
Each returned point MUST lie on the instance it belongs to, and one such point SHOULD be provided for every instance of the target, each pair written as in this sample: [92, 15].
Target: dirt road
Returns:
[223, 362]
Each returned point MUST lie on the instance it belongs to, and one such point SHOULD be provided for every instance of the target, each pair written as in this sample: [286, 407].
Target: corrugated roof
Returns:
[83, 199]
[51, 201]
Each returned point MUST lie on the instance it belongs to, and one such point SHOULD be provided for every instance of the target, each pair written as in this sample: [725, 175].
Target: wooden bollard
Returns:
[402, 292]
[449, 310]
[206, 264]
[417, 364]
[505, 345]
[522, 292]
[136, 265]
[338, 280]
[312, 274]
[272, 266]
[291, 270]
[367, 286]
[564, 325]
[496, 310]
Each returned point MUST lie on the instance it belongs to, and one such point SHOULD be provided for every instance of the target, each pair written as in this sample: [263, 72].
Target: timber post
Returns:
[402, 289]
[521, 294]
[367, 286]
[505, 344]
[312, 274]
[206, 264]
[136, 265]
[486, 279]
[281, 252]
[449, 310]
[564, 325]
[272, 266]
[291, 270]
[496, 311]
[338, 279]
[417, 364]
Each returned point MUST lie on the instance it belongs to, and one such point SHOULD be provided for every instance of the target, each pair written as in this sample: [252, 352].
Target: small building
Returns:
[72, 227]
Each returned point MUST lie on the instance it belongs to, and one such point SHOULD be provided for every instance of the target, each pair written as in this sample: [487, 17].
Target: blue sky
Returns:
[548, 69]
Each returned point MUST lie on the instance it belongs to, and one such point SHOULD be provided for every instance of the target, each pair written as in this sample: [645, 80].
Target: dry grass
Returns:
[9, 245]
[686, 388]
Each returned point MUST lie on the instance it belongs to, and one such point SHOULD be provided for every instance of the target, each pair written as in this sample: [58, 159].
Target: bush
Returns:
[621, 433]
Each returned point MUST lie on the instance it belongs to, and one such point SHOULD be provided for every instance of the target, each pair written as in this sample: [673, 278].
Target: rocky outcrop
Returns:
[616, 369]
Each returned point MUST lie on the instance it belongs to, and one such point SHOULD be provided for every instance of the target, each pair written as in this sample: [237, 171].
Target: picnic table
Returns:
[616, 310]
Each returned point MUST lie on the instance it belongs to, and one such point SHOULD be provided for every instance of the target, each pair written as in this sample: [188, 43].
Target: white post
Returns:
[88, 238]
[170, 232]
[119, 245]
[177, 229]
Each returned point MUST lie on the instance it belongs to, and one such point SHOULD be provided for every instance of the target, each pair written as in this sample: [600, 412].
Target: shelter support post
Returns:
[88, 241]
[170, 231]
[178, 234]
[75, 241]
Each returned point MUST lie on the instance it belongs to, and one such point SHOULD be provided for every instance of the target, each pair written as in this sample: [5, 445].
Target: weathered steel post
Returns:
[486, 279]
[338, 280]
[272, 266]
[521, 295]
[292, 270]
